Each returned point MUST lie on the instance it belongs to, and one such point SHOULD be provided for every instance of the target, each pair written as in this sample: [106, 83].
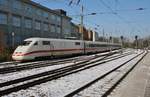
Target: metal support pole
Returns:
[103, 35]
[81, 28]
[13, 40]
[81, 25]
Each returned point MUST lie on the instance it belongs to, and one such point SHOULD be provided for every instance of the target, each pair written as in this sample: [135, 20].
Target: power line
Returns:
[120, 17]
[76, 2]
[115, 13]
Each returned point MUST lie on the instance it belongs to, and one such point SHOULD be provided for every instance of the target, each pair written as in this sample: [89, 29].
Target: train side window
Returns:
[46, 42]
[26, 43]
[36, 43]
[77, 43]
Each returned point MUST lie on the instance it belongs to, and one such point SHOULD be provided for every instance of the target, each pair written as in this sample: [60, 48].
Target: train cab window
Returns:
[77, 43]
[36, 43]
[26, 43]
[46, 42]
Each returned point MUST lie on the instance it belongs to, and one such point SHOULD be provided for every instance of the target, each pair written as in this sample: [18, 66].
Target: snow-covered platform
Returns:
[137, 83]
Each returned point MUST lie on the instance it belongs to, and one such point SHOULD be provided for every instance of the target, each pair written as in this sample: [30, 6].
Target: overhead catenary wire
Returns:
[74, 1]
[115, 13]
[119, 16]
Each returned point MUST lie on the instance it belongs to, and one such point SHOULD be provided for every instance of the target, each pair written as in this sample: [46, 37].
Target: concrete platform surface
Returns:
[137, 83]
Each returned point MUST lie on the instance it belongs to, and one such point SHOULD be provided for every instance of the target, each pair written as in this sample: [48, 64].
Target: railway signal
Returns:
[110, 39]
[121, 37]
[136, 42]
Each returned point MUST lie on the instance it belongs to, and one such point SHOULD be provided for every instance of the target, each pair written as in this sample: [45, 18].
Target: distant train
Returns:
[34, 48]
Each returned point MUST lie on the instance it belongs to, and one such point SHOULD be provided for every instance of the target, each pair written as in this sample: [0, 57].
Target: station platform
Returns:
[137, 83]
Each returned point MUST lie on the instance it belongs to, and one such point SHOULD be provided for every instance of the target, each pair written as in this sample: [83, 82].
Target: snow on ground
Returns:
[64, 85]
[101, 86]
[24, 73]
[5, 63]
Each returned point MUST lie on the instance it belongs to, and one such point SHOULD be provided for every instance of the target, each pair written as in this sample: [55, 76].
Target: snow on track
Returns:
[24, 73]
[65, 85]
[101, 86]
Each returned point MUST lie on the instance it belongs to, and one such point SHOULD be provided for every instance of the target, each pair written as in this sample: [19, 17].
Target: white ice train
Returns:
[34, 48]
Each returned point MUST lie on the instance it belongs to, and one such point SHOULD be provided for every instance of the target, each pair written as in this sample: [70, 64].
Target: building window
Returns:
[39, 12]
[28, 23]
[53, 17]
[58, 29]
[45, 26]
[3, 18]
[16, 21]
[58, 19]
[53, 28]
[28, 8]
[16, 4]
[3, 2]
[37, 25]
[45, 14]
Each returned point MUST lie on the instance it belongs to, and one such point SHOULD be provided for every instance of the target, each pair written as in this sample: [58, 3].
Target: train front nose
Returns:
[21, 54]
[18, 56]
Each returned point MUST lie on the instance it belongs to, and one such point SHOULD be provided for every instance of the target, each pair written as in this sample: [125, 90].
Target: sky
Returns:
[113, 17]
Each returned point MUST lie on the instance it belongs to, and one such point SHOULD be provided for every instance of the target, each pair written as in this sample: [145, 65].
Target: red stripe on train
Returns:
[59, 50]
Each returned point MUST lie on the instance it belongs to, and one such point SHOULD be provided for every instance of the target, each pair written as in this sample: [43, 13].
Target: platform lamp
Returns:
[13, 39]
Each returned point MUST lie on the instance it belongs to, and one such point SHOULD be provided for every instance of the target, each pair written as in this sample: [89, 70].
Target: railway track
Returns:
[12, 63]
[113, 86]
[26, 82]
[32, 65]
[15, 63]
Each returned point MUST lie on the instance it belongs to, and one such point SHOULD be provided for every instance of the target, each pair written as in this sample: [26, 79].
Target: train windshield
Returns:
[26, 43]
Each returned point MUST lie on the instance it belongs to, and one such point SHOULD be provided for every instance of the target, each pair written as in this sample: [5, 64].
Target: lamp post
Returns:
[13, 39]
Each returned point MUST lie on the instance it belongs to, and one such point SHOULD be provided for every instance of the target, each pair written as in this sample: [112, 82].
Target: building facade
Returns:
[75, 31]
[21, 19]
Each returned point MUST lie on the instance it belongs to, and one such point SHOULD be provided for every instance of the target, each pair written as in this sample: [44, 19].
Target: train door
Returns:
[51, 49]
[84, 47]
[48, 48]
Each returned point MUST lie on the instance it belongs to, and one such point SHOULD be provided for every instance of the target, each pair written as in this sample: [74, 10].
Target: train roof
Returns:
[46, 39]
[50, 39]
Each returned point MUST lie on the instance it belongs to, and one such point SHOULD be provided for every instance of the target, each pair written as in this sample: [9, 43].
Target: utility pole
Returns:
[81, 24]
[103, 35]
[81, 28]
